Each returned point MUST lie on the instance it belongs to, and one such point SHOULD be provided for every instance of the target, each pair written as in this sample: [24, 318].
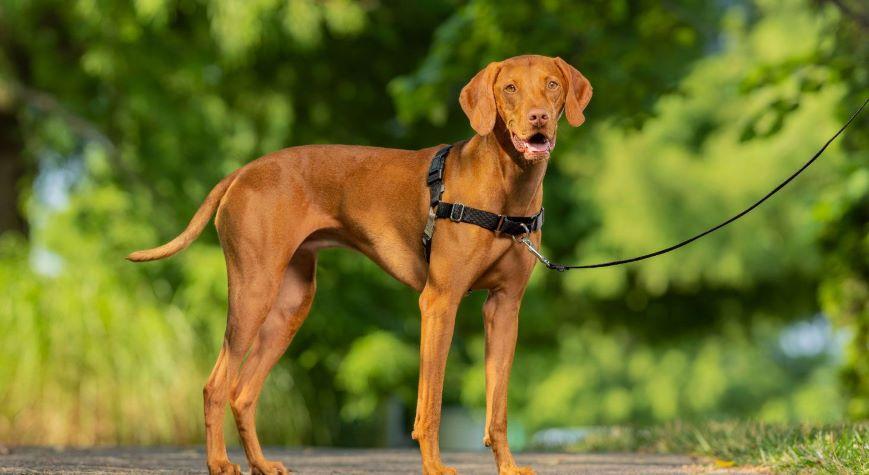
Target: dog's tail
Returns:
[194, 227]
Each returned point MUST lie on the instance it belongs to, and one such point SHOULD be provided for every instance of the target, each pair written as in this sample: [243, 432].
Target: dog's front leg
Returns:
[501, 319]
[438, 308]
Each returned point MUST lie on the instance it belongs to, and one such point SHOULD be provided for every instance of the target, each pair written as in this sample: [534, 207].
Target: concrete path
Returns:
[148, 460]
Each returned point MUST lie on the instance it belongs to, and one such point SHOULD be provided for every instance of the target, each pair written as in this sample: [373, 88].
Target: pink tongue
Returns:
[538, 147]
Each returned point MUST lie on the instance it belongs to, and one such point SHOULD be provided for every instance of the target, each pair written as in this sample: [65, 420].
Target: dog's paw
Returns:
[269, 468]
[438, 469]
[224, 468]
[514, 470]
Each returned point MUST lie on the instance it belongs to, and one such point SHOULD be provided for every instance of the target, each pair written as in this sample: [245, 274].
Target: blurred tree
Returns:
[162, 98]
[772, 88]
[740, 120]
[121, 115]
[600, 38]
[844, 292]
[13, 170]
[844, 212]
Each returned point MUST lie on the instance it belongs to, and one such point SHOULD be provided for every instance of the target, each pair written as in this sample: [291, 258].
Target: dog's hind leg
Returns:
[283, 321]
[249, 302]
[254, 279]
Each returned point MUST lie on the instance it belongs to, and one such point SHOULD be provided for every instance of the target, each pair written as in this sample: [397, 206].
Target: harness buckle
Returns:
[436, 190]
[457, 217]
[428, 232]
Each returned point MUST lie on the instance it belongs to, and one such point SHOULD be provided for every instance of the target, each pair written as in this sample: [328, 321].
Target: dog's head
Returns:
[528, 94]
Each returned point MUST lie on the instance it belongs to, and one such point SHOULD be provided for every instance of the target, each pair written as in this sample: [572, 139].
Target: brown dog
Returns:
[274, 213]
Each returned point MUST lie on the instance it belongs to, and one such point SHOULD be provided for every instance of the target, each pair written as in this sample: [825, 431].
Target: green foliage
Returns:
[844, 292]
[597, 378]
[133, 110]
[377, 363]
[740, 121]
[88, 358]
[844, 214]
[840, 448]
[599, 37]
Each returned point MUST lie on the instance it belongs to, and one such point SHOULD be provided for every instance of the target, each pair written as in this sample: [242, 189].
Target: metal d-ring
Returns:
[522, 237]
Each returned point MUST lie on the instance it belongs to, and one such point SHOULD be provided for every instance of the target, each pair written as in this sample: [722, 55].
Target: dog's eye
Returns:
[511, 88]
[552, 85]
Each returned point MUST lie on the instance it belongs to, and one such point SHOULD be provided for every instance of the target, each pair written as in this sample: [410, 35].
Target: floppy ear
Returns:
[578, 93]
[478, 100]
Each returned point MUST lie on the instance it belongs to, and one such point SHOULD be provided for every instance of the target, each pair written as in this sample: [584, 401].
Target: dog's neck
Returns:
[520, 180]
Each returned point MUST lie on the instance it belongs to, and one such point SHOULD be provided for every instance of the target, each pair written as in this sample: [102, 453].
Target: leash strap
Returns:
[460, 213]
[561, 268]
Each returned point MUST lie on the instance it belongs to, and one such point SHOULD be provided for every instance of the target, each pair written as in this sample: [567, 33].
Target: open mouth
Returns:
[536, 145]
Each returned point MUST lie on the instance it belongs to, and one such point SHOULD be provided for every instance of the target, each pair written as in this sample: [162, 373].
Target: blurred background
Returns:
[117, 117]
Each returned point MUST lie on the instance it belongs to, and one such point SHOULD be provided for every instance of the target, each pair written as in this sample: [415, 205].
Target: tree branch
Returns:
[81, 126]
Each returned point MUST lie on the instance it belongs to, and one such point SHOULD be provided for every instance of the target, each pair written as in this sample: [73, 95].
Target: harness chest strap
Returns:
[459, 213]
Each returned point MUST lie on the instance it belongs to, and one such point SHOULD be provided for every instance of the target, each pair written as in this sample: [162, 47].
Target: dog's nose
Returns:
[538, 117]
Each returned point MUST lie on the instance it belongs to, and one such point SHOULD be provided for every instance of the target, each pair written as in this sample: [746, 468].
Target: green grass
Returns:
[840, 448]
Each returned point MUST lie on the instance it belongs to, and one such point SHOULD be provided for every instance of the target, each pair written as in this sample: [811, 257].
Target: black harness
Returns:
[459, 213]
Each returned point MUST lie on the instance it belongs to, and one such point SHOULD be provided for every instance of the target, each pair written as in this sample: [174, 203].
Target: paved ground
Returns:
[328, 461]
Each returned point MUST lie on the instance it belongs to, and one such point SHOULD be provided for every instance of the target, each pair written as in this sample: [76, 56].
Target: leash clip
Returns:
[540, 257]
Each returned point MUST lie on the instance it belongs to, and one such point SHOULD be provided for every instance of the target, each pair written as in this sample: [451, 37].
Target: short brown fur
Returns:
[275, 213]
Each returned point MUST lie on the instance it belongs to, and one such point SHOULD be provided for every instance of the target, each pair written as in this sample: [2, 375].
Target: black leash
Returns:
[561, 268]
